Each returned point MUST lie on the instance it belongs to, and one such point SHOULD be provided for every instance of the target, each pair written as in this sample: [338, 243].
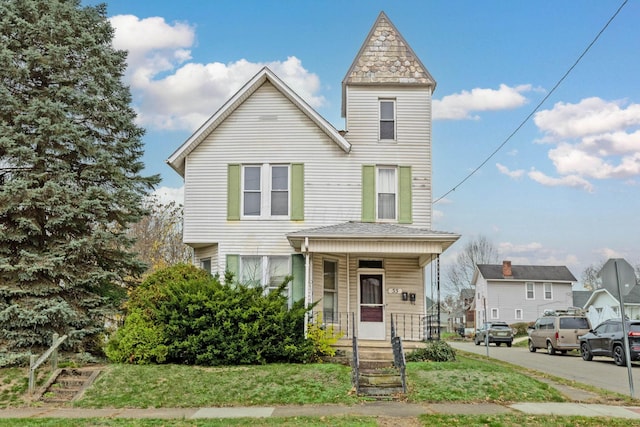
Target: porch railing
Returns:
[398, 355]
[409, 326]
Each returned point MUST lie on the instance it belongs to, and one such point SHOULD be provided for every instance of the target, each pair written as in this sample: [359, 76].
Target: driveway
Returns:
[601, 372]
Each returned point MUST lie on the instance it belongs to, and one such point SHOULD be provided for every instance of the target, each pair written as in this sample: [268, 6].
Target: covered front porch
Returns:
[361, 276]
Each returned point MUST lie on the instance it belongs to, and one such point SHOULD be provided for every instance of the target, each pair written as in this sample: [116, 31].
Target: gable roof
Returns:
[580, 298]
[632, 297]
[554, 273]
[177, 159]
[385, 58]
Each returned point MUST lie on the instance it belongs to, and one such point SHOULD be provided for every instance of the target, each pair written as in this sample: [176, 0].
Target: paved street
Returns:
[601, 372]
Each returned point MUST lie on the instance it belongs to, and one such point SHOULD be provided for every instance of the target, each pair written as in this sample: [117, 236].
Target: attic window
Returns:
[387, 119]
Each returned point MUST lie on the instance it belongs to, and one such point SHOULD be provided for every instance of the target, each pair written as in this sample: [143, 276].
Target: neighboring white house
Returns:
[520, 293]
[272, 188]
[604, 303]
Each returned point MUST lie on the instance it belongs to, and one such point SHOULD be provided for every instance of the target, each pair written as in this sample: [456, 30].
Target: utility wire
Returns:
[535, 110]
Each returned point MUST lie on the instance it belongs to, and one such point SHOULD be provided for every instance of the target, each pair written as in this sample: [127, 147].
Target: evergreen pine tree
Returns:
[70, 174]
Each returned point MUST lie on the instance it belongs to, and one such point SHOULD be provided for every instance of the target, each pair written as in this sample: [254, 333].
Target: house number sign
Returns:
[395, 290]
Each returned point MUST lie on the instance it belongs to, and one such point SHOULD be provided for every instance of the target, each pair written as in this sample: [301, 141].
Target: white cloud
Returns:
[564, 181]
[462, 105]
[534, 253]
[510, 173]
[173, 93]
[593, 139]
[169, 194]
[591, 116]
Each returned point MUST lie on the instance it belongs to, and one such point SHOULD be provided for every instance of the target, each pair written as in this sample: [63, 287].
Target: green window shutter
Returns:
[233, 192]
[297, 269]
[405, 196]
[297, 192]
[233, 265]
[368, 193]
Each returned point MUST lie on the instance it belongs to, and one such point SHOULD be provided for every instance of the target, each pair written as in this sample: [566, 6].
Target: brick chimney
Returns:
[506, 269]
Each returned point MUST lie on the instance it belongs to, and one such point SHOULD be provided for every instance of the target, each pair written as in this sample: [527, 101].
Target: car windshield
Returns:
[574, 323]
[500, 326]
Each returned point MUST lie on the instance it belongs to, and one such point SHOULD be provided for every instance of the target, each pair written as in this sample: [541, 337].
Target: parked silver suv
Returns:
[559, 330]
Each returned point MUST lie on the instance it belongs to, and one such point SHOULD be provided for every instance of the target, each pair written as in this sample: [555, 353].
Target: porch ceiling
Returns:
[377, 238]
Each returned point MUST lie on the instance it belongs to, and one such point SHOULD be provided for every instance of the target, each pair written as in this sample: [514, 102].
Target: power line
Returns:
[537, 107]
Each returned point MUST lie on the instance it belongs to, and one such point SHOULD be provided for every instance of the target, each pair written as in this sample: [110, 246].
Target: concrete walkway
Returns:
[386, 409]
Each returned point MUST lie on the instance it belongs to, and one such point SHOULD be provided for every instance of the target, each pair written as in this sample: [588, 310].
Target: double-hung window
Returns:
[548, 294]
[387, 119]
[529, 290]
[265, 191]
[266, 271]
[387, 187]
[330, 296]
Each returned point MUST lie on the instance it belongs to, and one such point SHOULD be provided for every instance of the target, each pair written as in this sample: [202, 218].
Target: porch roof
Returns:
[379, 238]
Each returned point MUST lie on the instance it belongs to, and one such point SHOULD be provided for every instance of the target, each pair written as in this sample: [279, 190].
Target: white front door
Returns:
[371, 325]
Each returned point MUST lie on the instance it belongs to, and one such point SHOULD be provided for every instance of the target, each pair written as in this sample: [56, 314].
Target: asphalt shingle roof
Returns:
[556, 273]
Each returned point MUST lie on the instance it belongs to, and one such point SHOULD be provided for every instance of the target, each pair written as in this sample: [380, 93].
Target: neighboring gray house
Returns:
[520, 293]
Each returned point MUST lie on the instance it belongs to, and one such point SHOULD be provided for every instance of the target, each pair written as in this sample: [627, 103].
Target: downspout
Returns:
[307, 284]
[438, 282]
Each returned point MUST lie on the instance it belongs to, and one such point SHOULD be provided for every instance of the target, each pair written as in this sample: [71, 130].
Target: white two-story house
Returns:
[520, 293]
[272, 188]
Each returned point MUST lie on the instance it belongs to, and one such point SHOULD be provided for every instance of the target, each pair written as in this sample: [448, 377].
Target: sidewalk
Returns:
[387, 409]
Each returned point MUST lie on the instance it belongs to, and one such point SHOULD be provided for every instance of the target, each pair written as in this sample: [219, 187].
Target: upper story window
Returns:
[387, 119]
[387, 186]
[548, 294]
[530, 294]
[265, 190]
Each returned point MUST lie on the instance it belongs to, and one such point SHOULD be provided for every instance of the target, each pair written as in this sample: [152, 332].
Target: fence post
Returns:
[32, 361]
[54, 355]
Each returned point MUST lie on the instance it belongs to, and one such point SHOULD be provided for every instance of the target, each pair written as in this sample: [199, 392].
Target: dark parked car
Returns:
[607, 340]
[498, 333]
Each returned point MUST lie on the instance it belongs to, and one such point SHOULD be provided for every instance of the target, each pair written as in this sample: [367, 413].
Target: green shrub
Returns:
[435, 351]
[139, 341]
[520, 328]
[183, 315]
[322, 338]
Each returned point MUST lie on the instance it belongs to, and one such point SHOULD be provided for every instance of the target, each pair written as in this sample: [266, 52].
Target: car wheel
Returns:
[550, 348]
[476, 341]
[618, 355]
[509, 344]
[498, 344]
[586, 354]
[532, 349]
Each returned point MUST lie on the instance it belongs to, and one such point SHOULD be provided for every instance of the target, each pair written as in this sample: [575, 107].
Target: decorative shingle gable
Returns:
[386, 58]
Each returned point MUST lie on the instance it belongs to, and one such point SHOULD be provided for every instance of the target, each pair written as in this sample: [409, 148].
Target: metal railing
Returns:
[355, 369]
[410, 326]
[398, 355]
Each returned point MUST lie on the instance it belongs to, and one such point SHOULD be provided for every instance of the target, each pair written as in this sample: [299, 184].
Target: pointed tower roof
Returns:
[385, 58]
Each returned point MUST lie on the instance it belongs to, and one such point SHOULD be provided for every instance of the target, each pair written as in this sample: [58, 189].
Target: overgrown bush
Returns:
[434, 351]
[198, 320]
[520, 328]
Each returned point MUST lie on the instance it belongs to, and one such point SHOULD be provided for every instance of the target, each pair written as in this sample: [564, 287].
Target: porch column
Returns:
[308, 296]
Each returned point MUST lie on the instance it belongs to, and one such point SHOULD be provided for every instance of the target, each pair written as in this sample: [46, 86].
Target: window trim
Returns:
[544, 290]
[264, 271]
[519, 314]
[266, 191]
[333, 291]
[395, 194]
[393, 120]
[526, 290]
[495, 313]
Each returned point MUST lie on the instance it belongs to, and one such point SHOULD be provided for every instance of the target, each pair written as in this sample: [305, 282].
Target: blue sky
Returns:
[564, 190]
